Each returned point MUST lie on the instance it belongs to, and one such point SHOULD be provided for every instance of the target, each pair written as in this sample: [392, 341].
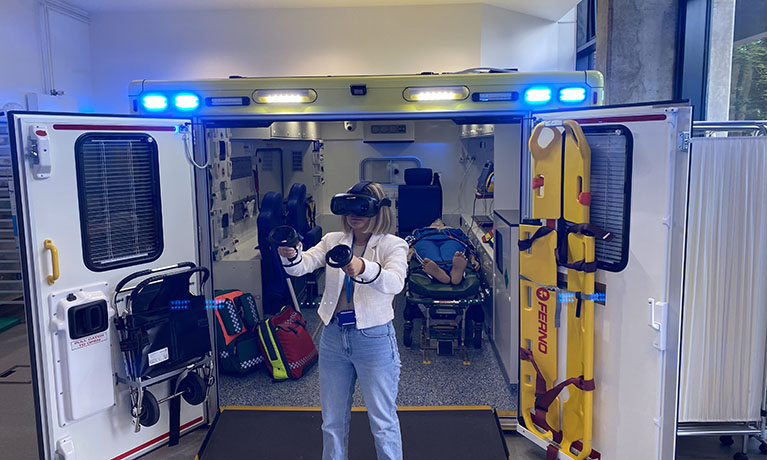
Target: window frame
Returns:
[82, 201]
[626, 132]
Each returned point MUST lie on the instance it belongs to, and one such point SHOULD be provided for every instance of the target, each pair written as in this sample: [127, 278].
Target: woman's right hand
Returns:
[288, 252]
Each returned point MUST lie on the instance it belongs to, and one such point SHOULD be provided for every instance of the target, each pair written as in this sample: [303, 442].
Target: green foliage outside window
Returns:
[748, 96]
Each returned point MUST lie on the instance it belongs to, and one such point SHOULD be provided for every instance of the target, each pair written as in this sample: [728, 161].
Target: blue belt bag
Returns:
[346, 318]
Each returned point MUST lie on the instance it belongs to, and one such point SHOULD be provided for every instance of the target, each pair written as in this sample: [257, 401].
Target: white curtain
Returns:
[724, 337]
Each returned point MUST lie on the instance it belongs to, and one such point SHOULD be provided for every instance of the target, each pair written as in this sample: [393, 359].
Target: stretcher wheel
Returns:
[726, 440]
[407, 335]
[193, 388]
[478, 336]
[740, 456]
[763, 448]
[150, 410]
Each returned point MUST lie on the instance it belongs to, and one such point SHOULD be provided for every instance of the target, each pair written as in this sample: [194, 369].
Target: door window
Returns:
[119, 193]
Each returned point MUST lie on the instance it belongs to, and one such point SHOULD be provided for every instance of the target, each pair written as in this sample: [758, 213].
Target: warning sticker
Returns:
[88, 341]
[156, 357]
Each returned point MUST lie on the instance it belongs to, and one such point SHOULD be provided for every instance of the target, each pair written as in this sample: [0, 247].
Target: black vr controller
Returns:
[284, 235]
[357, 202]
[339, 257]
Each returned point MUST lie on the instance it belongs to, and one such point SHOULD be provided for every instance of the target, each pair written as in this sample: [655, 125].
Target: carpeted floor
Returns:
[446, 381]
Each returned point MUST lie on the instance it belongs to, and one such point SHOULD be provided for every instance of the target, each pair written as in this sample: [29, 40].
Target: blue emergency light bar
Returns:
[572, 95]
[538, 95]
[186, 101]
[155, 102]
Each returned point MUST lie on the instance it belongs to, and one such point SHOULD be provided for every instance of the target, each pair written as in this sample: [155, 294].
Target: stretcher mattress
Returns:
[422, 285]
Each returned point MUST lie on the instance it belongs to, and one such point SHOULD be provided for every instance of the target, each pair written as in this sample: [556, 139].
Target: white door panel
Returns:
[635, 397]
[50, 210]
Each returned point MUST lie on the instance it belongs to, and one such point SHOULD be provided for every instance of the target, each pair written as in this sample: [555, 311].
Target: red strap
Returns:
[551, 452]
[544, 399]
[537, 182]
[584, 198]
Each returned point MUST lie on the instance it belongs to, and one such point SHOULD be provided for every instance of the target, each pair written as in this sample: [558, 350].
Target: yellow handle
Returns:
[54, 261]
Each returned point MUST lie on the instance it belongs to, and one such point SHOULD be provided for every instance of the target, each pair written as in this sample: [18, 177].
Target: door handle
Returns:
[54, 261]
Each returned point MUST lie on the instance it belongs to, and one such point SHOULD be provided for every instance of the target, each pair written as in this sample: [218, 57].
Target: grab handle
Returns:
[54, 261]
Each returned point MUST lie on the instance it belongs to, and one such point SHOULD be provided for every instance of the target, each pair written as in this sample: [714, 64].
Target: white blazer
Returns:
[385, 262]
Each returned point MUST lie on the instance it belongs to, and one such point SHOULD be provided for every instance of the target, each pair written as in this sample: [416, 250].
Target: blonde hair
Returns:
[381, 222]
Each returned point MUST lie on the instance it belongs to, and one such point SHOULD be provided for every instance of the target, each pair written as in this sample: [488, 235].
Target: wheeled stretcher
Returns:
[164, 336]
[452, 314]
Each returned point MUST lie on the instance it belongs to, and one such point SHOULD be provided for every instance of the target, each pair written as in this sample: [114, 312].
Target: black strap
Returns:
[524, 245]
[359, 187]
[380, 269]
[297, 259]
[174, 416]
[591, 230]
[582, 266]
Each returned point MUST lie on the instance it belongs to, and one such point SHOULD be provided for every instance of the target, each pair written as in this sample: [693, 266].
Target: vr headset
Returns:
[357, 202]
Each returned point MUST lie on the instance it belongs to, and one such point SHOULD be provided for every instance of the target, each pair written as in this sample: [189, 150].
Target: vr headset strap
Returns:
[359, 188]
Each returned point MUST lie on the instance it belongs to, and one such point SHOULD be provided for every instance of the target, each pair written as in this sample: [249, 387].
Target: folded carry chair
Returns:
[236, 334]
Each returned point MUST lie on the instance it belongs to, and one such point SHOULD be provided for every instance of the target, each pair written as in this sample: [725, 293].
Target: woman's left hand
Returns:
[355, 267]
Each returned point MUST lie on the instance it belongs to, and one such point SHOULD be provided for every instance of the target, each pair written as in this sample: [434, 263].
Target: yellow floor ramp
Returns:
[562, 195]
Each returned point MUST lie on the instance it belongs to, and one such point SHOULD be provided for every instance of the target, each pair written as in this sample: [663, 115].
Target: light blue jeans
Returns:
[370, 355]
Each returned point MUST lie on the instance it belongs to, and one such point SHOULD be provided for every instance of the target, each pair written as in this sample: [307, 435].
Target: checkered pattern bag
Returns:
[286, 344]
[237, 339]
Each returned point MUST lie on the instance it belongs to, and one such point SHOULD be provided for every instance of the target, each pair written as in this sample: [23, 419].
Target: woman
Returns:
[358, 340]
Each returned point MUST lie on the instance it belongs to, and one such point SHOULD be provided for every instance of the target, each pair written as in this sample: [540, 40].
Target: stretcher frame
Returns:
[560, 190]
[430, 306]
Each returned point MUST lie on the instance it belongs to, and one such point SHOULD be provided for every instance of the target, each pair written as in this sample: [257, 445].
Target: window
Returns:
[586, 35]
[118, 187]
[387, 170]
[611, 158]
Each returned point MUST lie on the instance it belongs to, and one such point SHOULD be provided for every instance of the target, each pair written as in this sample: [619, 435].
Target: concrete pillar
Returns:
[636, 49]
[720, 60]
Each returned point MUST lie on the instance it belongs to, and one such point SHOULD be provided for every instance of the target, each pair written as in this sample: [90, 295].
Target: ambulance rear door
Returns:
[639, 175]
[97, 198]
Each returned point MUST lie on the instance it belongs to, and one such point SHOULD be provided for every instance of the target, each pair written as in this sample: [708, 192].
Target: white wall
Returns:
[176, 45]
[19, 52]
[45, 46]
[278, 42]
[528, 43]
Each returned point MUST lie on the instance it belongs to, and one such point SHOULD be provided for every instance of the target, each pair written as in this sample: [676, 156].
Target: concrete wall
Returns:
[720, 60]
[636, 49]
[318, 41]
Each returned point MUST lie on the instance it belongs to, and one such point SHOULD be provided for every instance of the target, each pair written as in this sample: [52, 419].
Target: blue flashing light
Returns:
[537, 95]
[574, 94]
[186, 101]
[154, 102]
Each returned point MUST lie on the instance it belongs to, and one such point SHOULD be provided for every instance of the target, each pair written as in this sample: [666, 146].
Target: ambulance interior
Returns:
[329, 158]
